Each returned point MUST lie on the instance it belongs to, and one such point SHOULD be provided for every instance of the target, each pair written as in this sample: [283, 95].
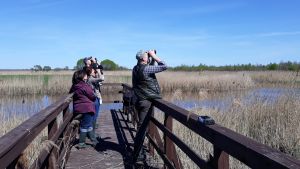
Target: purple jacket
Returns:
[83, 98]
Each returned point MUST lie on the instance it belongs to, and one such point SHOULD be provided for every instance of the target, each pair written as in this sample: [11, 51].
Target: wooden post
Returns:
[167, 142]
[151, 133]
[52, 129]
[169, 146]
[220, 159]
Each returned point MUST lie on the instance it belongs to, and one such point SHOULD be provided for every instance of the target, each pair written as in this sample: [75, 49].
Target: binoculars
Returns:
[149, 50]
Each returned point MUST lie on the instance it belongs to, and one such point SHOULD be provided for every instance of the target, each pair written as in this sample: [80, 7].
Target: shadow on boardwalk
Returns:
[114, 148]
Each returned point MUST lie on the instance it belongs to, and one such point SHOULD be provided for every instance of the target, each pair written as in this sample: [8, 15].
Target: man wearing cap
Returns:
[146, 88]
[88, 61]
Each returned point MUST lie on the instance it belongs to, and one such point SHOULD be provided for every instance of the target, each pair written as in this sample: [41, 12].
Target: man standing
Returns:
[145, 87]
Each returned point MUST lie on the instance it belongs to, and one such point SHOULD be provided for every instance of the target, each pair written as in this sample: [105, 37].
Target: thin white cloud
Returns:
[203, 9]
[271, 34]
[265, 35]
[29, 5]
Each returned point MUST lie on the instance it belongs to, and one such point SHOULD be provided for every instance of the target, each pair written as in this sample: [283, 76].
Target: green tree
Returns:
[79, 64]
[46, 68]
[109, 65]
[37, 68]
[272, 66]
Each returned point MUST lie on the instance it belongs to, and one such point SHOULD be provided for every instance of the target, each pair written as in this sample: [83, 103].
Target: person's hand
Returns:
[93, 60]
[152, 53]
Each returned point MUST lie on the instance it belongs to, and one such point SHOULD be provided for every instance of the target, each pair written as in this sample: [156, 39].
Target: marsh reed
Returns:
[59, 83]
[274, 123]
[32, 151]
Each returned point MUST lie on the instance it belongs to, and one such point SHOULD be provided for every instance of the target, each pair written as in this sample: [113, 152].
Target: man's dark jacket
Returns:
[145, 86]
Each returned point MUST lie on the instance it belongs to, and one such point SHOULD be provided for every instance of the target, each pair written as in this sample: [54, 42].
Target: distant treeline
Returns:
[289, 66]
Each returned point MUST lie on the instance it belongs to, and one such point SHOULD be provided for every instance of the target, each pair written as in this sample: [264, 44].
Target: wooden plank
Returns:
[112, 151]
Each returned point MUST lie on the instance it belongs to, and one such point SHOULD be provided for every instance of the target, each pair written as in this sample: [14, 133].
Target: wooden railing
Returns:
[225, 142]
[63, 126]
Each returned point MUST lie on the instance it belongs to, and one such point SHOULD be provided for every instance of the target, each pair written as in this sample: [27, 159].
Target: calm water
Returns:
[28, 106]
[223, 101]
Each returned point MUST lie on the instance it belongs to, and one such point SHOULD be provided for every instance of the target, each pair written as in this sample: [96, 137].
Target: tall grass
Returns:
[50, 83]
[274, 123]
[58, 83]
[32, 151]
[207, 81]
[275, 78]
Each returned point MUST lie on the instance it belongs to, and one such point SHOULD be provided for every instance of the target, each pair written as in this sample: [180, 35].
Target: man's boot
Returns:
[142, 156]
[94, 128]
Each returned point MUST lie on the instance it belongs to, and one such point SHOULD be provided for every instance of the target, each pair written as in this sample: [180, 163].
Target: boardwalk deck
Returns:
[114, 149]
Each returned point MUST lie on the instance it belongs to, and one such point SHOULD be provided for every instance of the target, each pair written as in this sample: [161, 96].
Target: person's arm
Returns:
[96, 80]
[155, 68]
[88, 91]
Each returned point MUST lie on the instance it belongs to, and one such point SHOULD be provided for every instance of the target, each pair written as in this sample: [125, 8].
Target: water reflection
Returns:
[24, 105]
[223, 101]
[29, 105]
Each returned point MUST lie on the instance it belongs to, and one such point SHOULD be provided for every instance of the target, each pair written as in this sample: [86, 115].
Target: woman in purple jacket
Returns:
[83, 103]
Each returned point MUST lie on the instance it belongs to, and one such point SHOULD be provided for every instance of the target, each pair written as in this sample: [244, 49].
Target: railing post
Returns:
[167, 142]
[52, 129]
[151, 133]
[123, 92]
[169, 146]
[220, 159]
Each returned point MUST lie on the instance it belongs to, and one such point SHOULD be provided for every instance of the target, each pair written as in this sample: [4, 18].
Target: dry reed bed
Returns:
[275, 78]
[51, 83]
[275, 124]
[54, 83]
[32, 151]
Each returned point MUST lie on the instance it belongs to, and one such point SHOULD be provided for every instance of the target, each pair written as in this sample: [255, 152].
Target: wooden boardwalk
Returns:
[114, 149]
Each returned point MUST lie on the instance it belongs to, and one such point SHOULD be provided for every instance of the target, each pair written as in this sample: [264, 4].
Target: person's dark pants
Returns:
[145, 111]
[97, 107]
[86, 126]
[86, 123]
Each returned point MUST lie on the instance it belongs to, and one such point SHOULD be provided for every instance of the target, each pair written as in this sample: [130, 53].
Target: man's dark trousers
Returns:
[145, 111]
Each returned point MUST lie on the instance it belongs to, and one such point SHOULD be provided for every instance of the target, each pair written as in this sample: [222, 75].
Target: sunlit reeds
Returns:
[271, 122]
[54, 83]
[275, 124]
[9, 122]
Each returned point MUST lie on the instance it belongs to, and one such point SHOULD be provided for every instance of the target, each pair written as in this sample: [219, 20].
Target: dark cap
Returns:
[140, 54]
[86, 59]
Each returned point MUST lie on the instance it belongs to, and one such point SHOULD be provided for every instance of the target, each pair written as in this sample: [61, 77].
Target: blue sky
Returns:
[57, 33]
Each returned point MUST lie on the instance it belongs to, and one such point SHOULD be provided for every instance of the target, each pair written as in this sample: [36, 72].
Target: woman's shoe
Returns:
[81, 145]
[93, 138]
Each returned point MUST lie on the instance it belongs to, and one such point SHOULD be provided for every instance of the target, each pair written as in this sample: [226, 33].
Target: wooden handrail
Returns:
[16, 141]
[225, 141]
